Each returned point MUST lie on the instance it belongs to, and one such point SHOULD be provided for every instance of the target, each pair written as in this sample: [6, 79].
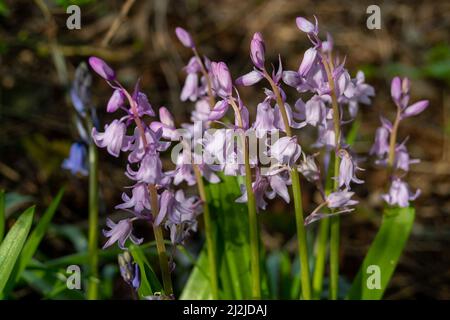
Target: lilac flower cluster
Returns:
[319, 76]
[393, 154]
[145, 143]
[273, 113]
[335, 102]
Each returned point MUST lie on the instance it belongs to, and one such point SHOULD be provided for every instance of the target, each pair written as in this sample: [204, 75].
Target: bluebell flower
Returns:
[76, 162]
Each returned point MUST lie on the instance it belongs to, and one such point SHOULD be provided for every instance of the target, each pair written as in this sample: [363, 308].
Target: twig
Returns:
[117, 22]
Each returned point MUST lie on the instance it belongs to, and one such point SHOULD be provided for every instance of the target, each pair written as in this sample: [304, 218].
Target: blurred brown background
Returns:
[36, 128]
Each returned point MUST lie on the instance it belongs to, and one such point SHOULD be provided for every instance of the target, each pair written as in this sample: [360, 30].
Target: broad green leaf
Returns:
[12, 245]
[2, 214]
[149, 281]
[232, 238]
[383, 254]
[198, 286]
[32, 243]
[37, 234]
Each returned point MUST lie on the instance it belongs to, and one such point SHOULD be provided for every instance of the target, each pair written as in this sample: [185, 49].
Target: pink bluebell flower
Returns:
[114, 138]
[399, 194]
[120, 233]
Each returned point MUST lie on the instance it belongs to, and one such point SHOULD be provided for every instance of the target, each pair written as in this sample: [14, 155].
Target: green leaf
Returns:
[12, 245]
[37, 234]
[2, 214]
[279, 274]
[230, 224]
[198, 286]
[383, 254]
[149, 281]
[232, 238]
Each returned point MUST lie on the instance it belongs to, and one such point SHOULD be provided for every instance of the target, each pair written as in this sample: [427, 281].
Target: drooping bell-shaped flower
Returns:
[179, 213]
[259, 187]
[326, 136]
[166, 125]
[347, 169]
[279, 122]
[119, 233]
[278, 183]
[76, 162]
[183, 170]
[116, 101]
[402, 159]
[381, 144]
[149, 171]
[153, 144]
[143, 106]
[399, 194]
[139, 200]
[309, 168]
[265, 119]
[340, 199]
[113, 139]
[201, 111]
[315, 111]
[286, 150]
[190, 88]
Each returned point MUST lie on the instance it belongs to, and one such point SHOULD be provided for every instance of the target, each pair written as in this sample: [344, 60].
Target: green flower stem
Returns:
[393, 139]
[160, 244]
[322, 240]
[335, 221]
[297, 194]
[254, 232]
[301, 236]
[252, 217]
[92, 290]
[210, 243]
[321, 253]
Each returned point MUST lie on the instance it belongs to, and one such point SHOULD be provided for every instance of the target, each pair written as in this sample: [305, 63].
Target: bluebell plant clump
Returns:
[213, 143]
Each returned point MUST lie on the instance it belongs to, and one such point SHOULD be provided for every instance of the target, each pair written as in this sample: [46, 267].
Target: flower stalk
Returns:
[251, 205]
[92, 290]
[210, 243]
[298, 206]
[335, 220]
[159, 238]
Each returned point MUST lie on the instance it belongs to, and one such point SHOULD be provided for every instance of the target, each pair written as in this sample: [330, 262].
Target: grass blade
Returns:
[37, 234]
[2, 214]
[12, 245]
